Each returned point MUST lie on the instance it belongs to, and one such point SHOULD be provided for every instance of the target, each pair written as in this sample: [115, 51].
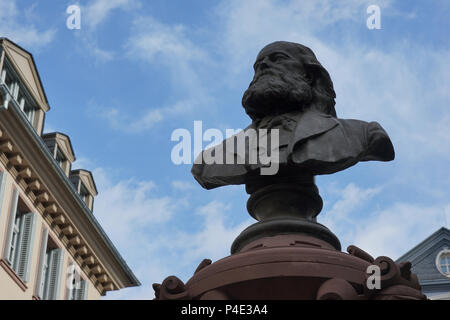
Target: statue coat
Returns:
[311, 143]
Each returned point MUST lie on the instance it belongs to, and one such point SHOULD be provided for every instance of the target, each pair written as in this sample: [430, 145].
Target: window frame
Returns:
[3, 177]
[19, 244]
[15, 243]
[84, 193]
[443, 253]
[50, 267]
[77, 291]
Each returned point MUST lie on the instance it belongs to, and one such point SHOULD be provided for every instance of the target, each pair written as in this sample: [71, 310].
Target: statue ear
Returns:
[320, 78]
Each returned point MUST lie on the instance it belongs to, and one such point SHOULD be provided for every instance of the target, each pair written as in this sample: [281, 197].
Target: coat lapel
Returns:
[310, 124]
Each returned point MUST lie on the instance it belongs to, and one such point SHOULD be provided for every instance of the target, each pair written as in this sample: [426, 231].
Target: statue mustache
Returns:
[268, 73]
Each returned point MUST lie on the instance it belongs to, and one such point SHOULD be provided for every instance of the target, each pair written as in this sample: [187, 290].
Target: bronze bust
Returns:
[291, 91]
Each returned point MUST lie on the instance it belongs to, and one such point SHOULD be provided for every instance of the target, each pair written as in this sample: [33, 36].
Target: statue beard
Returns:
[273, 93]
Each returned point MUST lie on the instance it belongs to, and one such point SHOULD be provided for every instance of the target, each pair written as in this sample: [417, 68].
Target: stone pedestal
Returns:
[287, 255]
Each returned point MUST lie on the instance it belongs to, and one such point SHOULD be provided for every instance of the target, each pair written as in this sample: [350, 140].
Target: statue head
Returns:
[288, 77]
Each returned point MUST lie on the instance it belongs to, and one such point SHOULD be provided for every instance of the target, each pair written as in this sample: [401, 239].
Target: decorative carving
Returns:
[172, 288]
[203, 264]
[396, 281]
[337, 289]
[359, 253]
[399, 292]
[214, 295]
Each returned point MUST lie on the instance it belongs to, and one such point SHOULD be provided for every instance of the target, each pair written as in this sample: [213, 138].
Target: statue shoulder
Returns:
[377, 141]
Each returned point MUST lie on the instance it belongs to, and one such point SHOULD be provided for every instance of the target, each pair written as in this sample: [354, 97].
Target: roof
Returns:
[422, 247]
[22, 54]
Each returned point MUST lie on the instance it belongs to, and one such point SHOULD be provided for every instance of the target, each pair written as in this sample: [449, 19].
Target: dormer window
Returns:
[84, 184]
[61, 150]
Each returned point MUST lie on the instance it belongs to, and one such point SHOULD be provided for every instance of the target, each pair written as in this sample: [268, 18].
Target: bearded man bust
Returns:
[291, 91]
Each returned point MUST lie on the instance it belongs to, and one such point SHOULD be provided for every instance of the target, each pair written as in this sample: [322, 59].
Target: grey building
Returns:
[430, 260]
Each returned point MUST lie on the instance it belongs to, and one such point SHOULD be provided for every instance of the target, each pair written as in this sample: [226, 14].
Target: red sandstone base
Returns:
[293, 267]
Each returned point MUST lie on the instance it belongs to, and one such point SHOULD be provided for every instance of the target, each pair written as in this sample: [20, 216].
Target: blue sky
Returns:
[137, 70]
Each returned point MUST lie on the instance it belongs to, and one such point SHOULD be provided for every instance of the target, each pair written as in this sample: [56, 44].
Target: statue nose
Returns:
[265, 63]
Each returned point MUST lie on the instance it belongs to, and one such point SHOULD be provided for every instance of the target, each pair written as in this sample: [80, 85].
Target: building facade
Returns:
[430, 261]
[51, 245]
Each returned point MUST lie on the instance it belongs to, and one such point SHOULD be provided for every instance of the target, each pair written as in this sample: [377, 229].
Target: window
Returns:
[77, 287]
[2, 188]
[60, 158]
[443, 262]
[9, 80]
[50, 269]
[12, 254]
[25, 106]
[19, 241]
[84, 193]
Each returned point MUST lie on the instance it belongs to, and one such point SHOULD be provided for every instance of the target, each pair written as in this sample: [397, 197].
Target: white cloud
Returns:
[168, 46]
[93, 15]
[82, 163]
[183, 185]
[249, 25]
[126, 208]
[171, 46]
[447, 216]
[215, 238]
[98, 11]
[351, 198]
[91, 45]
[145, 228]
[155, 40]
[20, 30]
[148, 119]
[390, 230]
[397, 229]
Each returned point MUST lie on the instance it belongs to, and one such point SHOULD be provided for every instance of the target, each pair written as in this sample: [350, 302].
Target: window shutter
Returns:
[39, 291]
[3, 76]
[70, 282]
[82, 291]
[55, 268]
[26, 247]
[2, 188]
[15, 92]
[12, 220]
[30, 116]
[22, 104]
